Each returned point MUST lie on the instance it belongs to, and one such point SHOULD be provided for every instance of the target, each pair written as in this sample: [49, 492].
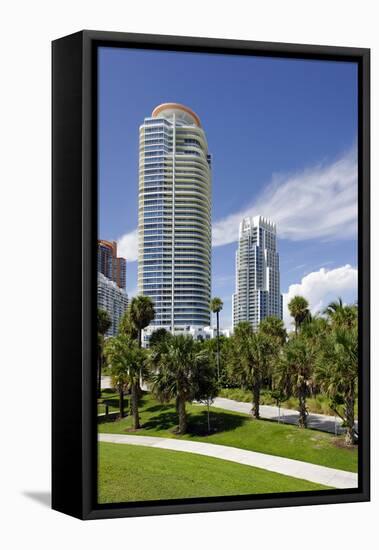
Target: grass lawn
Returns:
[239, 430]
[132, 473]
[318, 404]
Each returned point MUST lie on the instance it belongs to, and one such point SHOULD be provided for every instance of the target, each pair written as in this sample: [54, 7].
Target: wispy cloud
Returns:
[321, 287]
[319, 202]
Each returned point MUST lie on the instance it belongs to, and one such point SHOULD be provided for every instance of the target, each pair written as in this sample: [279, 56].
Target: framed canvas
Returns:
[211, 276]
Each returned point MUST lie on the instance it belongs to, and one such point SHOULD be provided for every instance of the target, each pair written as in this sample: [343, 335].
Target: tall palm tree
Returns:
[128, 364]
[251, 353]
[273, 328]
[337, 373]
[175, 365]
[295, 372]
[299, 310]
[216, 306]
[104, 323]
[142, 312]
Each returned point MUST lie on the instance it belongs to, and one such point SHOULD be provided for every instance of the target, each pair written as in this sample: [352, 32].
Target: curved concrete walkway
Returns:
[321, 422]
[338, 479]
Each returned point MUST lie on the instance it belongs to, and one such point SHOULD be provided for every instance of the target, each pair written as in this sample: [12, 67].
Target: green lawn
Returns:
[239, 430]
[318, 404]
[131, 473]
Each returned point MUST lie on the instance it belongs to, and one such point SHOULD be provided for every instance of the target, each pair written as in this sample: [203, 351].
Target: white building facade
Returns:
[197, 333]
[113, 299]
[257, 294]
[174, 218]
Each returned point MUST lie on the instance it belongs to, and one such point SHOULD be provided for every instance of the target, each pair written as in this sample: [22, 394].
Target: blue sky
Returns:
[282, 134]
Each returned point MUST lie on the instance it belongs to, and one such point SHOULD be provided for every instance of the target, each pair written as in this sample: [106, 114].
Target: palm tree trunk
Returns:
[302, 408]
[256, 399]
[218, 345]
[136, 423]
[349, 407]
[121, 403]
[182, 415]
[139, 389]
[100, 363]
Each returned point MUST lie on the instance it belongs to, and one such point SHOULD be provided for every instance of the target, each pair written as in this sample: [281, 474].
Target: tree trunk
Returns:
[209, 421]
[349, 409]
[121, 403]
[139, 389]
[302, 408]
[136, 423]
[100, 363]
[256, 400]
[218, 345]
[182, 415]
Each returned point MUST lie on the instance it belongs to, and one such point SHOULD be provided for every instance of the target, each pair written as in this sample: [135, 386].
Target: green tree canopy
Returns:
[104, 321]
[177, 365]
[250, 356]
[158, 336]
[337, 371]
[299, 310]
[128, 364]
[295, 372]
[142, 312]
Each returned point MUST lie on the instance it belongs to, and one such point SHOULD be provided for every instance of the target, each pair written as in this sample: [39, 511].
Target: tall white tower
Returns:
[174, 217]
[257, 294]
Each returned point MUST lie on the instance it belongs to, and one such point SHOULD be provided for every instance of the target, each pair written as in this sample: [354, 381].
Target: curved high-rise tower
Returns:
[174, 217]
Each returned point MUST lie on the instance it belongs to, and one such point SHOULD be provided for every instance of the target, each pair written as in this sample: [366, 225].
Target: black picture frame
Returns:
[74, 205]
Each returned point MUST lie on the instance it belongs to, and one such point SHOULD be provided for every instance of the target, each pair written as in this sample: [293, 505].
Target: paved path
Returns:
[295, 468]
[321, 422]
[106, 382]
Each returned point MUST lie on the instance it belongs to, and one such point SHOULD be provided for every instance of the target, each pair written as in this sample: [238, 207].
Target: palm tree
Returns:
[104, 323]
[216, 306]
[142, 312]
[340, 314]
[273, 328]
[337, 373]
[175, 364]
[158, 336]
[243, 330]
[127, 327]
[250, 356]
[295, 372]
[128, 364]
[299, 310]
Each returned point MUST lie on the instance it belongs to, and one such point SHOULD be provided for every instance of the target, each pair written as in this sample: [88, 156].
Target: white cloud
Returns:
[319, 202]
[128, 246]
[321, 287]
